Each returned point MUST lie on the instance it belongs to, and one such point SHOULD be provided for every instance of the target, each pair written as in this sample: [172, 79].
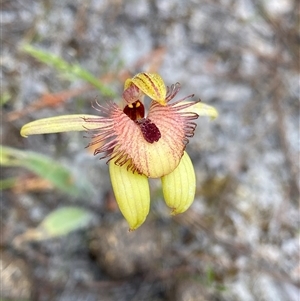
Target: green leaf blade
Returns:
[64, 220]
[45, 167]
[71, 70]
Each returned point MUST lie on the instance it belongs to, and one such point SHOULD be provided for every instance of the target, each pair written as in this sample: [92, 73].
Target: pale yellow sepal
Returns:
[64, 123]
[179, 186]
[151, 84]
[132, 194]
[201, 109]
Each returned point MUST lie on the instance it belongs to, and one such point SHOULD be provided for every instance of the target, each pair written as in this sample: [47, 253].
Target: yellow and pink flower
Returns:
[139, 146]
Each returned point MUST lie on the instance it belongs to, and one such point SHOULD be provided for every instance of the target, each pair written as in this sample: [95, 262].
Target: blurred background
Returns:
[62, 236]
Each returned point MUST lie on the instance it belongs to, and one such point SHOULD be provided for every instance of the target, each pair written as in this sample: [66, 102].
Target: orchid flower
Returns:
[140, 146]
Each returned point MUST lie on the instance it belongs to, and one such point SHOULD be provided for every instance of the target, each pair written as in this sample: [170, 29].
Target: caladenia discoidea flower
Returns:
[139, 146]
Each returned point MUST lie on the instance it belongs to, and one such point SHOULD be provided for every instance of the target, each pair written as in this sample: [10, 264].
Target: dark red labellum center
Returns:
[149, 130]
[136, 112]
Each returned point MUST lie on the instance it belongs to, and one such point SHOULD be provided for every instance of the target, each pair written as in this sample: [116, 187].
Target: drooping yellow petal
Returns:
[64, 123]
[201, 109]
[132, 194]
[179, 186]
[150, 84]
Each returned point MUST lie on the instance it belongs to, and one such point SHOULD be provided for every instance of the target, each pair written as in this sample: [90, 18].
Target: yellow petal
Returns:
[132, 194]
[151, 84]
[201, 109]
[127, 83]
[64, 123]
[179, 186]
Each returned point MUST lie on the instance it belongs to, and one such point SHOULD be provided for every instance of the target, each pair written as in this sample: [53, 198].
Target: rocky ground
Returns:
[240, 239]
